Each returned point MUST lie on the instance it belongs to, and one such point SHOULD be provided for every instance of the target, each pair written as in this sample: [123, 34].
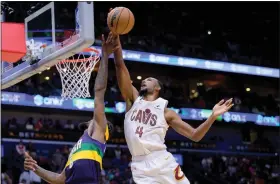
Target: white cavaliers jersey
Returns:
[145, 126]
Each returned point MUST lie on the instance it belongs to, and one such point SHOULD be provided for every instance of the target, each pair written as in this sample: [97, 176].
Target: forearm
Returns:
[123, 76]
[200, 131]
[102, 75]
[118, 57]
[100, 88]
[48, 176]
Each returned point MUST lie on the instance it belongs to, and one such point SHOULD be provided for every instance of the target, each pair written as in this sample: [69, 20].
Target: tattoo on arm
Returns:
[99, 90]
[101, 78]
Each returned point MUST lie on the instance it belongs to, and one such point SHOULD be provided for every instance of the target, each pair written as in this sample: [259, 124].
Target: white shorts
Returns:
[158, 167]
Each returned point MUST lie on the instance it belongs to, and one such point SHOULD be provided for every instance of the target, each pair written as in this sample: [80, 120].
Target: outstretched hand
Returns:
[222, 107]
[116, 38]
[109, 46]
[29, 163]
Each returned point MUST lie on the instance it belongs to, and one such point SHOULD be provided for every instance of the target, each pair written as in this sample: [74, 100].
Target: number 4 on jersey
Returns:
[139, 131]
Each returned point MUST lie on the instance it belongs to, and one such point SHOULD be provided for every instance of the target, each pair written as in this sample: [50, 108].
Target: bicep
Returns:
[181, 127]
[97, 127]
[135, 93]
[129, 102]
[99, 112]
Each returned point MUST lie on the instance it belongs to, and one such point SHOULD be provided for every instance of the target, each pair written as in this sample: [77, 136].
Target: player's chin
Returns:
[143, 91]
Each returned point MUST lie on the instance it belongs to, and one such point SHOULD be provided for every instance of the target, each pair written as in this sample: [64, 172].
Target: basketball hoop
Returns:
[75, 74]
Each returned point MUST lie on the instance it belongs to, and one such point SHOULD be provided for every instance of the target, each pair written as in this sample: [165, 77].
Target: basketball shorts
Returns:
[159, 167]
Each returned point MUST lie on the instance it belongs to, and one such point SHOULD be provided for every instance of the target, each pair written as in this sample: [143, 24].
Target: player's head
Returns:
[150, 86]
[109, 128]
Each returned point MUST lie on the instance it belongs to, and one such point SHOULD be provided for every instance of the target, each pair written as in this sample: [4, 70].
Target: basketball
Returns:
[120, 20]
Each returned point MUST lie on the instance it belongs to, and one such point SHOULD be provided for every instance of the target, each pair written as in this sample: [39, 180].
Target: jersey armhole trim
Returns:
[93, 138]
[137, 99]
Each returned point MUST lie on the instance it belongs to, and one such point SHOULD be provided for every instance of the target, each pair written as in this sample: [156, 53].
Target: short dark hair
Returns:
[84, 125]
[161, 92]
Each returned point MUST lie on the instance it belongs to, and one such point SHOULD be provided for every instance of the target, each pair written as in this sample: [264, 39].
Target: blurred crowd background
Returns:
[231, 153]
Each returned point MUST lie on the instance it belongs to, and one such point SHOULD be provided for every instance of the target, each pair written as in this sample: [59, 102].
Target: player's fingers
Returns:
[109, 39]
[112, 34]
[29, 164]
[221, 102]
[229, 107]
[29, 167]
[228, 102]
[28, 160]
[26, 155]
[26, 163]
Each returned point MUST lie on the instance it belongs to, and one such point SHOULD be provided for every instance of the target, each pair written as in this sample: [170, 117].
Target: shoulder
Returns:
[130, 102]
[169, 114]
[93, 138]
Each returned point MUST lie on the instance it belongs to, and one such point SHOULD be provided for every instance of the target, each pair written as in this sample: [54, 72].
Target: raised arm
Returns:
[98, 131]
[128, 91]
[48, 176]
[196, 134]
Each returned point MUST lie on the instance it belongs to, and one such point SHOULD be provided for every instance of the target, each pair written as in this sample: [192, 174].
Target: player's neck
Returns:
[149, 97]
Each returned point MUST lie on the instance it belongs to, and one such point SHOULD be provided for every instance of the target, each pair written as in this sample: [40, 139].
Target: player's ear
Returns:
[157, 88]
[158, 85]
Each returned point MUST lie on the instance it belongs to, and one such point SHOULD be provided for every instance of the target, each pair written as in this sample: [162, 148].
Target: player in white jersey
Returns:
[146, 122]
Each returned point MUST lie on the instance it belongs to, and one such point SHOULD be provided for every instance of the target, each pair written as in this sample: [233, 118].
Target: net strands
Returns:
[75, 74]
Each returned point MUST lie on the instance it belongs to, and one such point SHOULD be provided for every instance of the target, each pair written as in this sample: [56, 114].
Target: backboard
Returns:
[65, 28]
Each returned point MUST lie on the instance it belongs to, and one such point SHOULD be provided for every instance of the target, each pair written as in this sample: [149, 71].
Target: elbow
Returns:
[195, 137]
[59, 179]
[59, 182]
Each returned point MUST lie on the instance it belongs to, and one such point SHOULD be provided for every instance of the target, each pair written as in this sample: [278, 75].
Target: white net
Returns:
[75, 74]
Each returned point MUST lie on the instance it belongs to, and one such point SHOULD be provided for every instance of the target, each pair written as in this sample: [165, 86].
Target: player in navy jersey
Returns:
[85, 160]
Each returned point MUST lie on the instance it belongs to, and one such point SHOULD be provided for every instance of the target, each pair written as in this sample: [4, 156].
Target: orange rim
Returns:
[91, 50]
[84, 59]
